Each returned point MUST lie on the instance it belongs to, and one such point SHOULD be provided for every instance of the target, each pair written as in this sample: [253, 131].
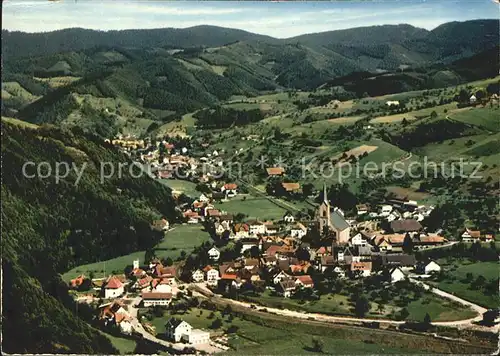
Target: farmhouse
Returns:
[432, 267]
[471, 235]
[286, 287]
[291, 187]
[304, 281]
[298, 231]
[289, 218]
[113, 288]
[177, 330]
[397, 275]
[364, 268]
[214, 254]
[197, 276]
[275, 171]
[160, 225]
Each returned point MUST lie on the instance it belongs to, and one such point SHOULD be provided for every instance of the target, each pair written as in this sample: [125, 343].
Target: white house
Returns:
[385, 210]
[126, 326]
[114, 288]
[150, 299]
[289, 218]
[177, 330]
[339, 271]
[397, 275]
[256, 228]
[392, 103]
[164, 286]
[362, 209]
[198, 336]
[281, 276]
[230, 190]
[212, 277]
[298, 231]
[472, 99]
[197, 275]
[271, 229]
[203, 198]
[214, 254]
[471, 235]
[358, 240]
[432, 267]
[247, 244]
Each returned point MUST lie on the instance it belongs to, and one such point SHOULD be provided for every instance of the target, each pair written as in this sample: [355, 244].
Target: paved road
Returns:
[466, 323]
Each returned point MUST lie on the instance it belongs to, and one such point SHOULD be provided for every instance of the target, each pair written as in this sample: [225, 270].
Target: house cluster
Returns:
[274, 255]
[156, 284]
[203, 208]
[396, 207]
[127, 143]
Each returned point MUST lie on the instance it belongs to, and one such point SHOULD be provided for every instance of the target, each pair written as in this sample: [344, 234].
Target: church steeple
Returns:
[325, 195]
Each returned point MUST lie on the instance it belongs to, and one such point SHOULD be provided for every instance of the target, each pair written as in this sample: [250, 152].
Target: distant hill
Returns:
[19, 44]
[153, 76]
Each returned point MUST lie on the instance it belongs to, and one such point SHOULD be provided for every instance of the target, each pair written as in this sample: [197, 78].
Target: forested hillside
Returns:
[46, 231]
[126, 81]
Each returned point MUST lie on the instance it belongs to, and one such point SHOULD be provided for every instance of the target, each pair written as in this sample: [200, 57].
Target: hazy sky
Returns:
[279, 19]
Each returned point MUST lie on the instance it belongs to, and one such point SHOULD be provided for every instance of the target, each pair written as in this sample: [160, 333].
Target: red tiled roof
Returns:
[119, 317]
[145, 281]
[113, 283]
[77, 281]
[207, 268]
[274, 171]
[307, 280]
[432, 239]
[137, 272]
[290, 187]
[231, 276]
[230, 186]
[474, 233]
[361, 266]
[213, 212]
[156, 295]
[241, 227]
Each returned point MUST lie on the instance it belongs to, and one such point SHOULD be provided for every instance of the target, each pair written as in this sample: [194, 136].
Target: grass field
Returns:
[253, 338]
[183, 186]
[181, 238]
[459, 270]
[339, 304]
[11, 120]
[253, 207]
[123, 345]
[487, 118]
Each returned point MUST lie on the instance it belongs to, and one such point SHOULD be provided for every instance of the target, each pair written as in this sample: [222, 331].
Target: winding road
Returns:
[466, 323]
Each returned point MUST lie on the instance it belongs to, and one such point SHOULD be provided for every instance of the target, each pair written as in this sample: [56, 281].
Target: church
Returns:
[333, 220]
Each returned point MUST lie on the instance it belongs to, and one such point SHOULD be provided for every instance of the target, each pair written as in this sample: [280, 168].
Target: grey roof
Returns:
[174, 322]
[338, 221]
[399, 260]
[364, 250]
[407, 225]
[287, 284]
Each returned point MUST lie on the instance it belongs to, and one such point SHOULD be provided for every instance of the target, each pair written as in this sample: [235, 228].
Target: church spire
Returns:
[325, 196]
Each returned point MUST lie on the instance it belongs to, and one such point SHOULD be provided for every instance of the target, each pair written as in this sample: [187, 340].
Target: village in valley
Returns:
[376, 264]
